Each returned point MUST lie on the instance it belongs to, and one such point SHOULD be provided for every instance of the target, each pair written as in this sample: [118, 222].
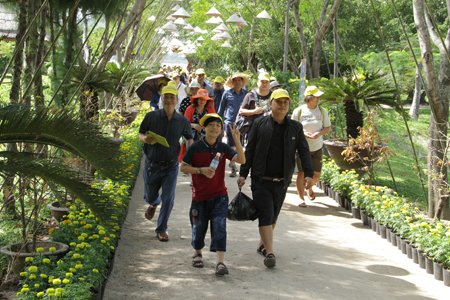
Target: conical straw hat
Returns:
[181, 13]
[225, 35]
[212, 20]
[233, 19]
[264, 15]
[213, 12]
[170, 26]
[227, 45]
[180, 21]
[222, 27]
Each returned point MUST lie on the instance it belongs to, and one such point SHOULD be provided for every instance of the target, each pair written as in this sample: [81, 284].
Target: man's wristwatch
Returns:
[198, 171]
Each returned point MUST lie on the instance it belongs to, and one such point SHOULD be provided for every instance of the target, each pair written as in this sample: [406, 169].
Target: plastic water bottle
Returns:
[215, 162]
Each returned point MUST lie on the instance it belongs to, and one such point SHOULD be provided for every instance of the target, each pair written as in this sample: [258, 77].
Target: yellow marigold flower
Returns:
[32, 269]
[50, 290]
[32, 276]
[103, 241]
[28, 259]
[23, 274]
[40, 294]
[72, 270]
[106, 238]
[37, 285]
[40, 249]
[67, 222]
[59, 262]
[81, 238]
[46, 260]
[52, 249]
[69, 274]
[24, 290]
[66, 281]
[95, 270]
[43, 276]
[56, 281]
[79, 266]
[102, 232]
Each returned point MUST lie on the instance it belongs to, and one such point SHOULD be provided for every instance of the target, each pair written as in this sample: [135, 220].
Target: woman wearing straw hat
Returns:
[315, 123]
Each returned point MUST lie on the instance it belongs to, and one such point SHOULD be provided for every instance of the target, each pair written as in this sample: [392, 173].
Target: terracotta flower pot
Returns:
[18, 254]
[57, 211]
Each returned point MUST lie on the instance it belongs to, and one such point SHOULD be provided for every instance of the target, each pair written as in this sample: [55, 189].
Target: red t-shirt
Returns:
[199, 155]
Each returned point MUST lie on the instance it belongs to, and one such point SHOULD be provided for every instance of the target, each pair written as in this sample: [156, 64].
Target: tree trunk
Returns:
[354, 119]
[249, 55]
[39, 92]
[14, 93]
[302, 38]
[438, 92]
[134, 34]
[121, 34]
[286, 37]
[52, 38]
[86, 50]
[414, 111]
[106, 34]
[31, 50]
[72, 32]
[336, 49]
[322, 28]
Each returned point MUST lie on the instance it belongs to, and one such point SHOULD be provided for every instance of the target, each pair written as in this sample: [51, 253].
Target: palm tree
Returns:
[355, 93]
[66, 131]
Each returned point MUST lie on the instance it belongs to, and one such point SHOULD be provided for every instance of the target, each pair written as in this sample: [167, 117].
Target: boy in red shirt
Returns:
[209, 194]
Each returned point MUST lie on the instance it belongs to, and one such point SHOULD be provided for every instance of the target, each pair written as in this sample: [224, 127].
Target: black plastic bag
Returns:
[242, 208]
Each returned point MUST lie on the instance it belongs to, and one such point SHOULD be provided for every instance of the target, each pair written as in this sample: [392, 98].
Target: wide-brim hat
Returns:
[280, 93]
[194, 84]
[274, 84]
[202, 93]
[313, 90]
[207, 116]
[244, 77]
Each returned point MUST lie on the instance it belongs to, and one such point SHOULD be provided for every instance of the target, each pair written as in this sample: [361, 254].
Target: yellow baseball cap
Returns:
[313, 91]
[207, 116]
[169, 89]
[200, 71]
[219, 79]
[280, 93]
[272, 78]
[264, 76]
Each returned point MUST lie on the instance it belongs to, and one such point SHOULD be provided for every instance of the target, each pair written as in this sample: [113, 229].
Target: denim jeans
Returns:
[164, 178]
[213, 210]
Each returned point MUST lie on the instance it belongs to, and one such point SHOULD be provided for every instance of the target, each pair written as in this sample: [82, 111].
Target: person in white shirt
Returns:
[316, 123]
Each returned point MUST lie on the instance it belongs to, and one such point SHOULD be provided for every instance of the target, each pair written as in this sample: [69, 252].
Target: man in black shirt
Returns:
[270, 154]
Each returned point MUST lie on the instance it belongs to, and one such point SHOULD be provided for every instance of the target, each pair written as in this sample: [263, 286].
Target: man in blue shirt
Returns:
[161, 163]
[229, 107]
[218, 92]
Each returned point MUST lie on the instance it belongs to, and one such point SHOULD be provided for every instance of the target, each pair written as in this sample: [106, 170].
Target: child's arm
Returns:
[207, 171]
[240, 157]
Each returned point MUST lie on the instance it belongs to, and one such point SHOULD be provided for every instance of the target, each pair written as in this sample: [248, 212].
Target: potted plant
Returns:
[364, 90]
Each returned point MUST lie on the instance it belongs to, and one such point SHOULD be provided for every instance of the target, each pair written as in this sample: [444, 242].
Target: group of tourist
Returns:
[200, 114]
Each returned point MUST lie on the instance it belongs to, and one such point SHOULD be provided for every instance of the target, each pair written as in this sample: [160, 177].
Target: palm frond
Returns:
[31, 164]
[62, 129]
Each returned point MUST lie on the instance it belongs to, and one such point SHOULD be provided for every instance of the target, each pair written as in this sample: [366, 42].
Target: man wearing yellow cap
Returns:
[218, 91]
[256, 103]
[161, 163]
[270, 154]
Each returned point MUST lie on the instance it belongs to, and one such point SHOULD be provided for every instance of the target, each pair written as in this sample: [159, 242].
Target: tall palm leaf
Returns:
[355, 94]
[58, 128]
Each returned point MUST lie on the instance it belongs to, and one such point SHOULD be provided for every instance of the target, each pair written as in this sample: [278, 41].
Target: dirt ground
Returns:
[322, 253]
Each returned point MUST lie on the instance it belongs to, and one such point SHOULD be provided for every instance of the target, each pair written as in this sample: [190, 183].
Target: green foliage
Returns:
[6, 52]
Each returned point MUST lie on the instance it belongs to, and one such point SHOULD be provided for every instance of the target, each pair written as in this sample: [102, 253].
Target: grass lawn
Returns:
[403, 163]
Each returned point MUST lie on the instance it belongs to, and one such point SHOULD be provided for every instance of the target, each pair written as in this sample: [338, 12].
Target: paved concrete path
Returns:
[322, 253]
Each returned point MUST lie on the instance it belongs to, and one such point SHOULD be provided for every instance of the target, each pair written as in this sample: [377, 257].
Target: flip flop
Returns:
[312, 197]
[303, 204]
